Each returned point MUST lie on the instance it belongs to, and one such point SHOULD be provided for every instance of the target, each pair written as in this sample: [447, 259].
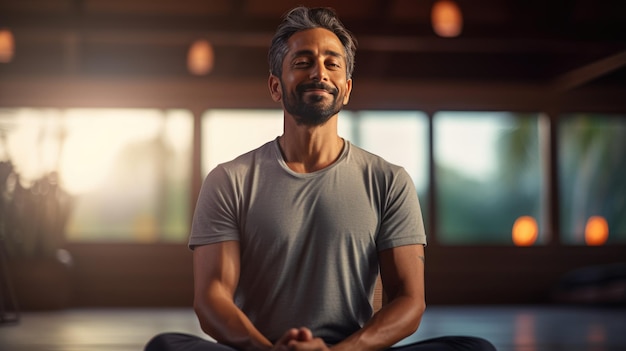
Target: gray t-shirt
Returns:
[308, 242]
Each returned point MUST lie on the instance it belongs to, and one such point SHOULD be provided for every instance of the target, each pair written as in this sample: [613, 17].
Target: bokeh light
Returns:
[596, 231]
[201, 58]
[525, 231]
[7, 45]
[447, 20]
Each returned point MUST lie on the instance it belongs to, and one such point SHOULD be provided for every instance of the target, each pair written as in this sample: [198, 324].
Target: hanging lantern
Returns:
[446, 18]
[7, 46]
[200, 58]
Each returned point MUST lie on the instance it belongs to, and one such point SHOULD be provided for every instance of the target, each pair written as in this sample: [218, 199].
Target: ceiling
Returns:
[565, 43]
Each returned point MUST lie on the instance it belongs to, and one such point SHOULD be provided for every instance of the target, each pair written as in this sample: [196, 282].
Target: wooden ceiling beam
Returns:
[589, 72]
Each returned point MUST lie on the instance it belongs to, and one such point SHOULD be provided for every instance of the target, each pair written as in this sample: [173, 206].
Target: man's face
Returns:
[314, 80]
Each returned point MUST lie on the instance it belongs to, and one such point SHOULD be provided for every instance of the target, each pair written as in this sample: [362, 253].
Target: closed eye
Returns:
[333, 65]
[301, 64]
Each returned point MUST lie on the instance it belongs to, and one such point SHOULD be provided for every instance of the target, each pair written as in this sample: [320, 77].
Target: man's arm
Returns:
[402, 273]
[216, 275]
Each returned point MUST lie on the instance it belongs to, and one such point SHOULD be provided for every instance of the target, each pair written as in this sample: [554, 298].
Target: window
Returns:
[592, 173]
[400, 137]
[489, 177]
[124, 173]
[227, 134]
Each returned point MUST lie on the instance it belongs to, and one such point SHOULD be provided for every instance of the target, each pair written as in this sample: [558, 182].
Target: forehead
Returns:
[316, 40]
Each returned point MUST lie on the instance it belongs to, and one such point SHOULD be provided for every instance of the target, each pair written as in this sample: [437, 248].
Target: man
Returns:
[289, 238]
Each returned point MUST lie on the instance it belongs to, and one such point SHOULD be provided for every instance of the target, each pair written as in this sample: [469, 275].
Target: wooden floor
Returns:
[537, 328]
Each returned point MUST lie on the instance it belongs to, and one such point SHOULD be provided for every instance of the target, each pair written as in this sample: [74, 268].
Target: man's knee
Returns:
[157, 343]
[167, 341]
[472, 343]
[183, 342]
[456, 343]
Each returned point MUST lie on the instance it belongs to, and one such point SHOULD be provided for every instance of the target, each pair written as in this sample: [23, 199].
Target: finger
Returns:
[289, 335]
[305, 334]
[316, 344]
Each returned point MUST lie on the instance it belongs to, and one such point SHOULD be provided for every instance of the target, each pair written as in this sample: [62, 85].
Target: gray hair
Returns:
[302, 18]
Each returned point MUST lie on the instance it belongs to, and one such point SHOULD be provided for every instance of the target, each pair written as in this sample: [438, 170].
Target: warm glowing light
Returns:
[446, 18]
[7, 46]
[525, 231]
[95, 144]
[596, 231]
[200, 58]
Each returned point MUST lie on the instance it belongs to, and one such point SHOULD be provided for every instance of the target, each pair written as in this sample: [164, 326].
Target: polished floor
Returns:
[510, 328]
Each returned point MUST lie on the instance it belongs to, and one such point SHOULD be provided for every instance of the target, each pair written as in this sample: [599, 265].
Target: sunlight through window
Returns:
[488, 174]
[227, 134]
[592, 190]
[126, 171]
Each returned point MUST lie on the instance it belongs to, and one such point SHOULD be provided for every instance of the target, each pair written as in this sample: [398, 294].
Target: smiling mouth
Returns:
[317, 89]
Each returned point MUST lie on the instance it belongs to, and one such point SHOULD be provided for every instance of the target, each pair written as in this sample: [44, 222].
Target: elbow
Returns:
[200, 309]
[421, 307]
[418, 312]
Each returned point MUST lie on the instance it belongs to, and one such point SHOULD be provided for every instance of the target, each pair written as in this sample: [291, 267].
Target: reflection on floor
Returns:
[509, 328]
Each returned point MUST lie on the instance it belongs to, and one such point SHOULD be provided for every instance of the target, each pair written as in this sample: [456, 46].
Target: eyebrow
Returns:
[311, 53]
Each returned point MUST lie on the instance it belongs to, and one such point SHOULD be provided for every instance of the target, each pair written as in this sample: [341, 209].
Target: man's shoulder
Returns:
[242, 164]
[371, 159]
[246, 159]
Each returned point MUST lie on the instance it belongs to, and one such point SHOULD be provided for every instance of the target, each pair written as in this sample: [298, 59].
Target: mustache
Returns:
[316, 85]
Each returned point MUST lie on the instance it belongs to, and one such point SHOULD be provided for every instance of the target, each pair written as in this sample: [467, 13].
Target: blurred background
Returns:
[510, 116]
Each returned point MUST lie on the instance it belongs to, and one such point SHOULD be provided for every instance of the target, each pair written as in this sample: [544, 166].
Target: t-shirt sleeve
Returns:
[401, 222]
[215, 216]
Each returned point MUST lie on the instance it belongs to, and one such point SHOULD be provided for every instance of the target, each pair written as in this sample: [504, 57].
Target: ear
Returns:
[348, 91]
[275, 87]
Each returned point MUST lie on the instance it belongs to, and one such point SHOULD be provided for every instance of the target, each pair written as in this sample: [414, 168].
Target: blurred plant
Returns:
[32, 219]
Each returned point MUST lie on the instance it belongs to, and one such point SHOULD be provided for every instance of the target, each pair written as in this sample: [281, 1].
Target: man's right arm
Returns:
[216, 275]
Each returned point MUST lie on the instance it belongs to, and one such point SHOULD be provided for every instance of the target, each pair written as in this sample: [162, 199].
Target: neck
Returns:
[309, 149]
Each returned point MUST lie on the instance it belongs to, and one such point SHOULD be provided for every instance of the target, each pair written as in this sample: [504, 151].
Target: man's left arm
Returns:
[402, 273]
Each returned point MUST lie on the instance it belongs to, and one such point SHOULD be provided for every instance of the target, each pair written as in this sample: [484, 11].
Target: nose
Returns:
[319, 72]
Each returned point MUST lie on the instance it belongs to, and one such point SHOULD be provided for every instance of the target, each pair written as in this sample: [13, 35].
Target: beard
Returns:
[314, 110]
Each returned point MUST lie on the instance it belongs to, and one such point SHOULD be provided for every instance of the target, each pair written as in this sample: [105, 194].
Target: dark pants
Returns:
[185, 342]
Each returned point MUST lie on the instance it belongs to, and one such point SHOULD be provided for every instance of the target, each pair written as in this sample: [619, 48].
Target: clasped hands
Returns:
[300, 340]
